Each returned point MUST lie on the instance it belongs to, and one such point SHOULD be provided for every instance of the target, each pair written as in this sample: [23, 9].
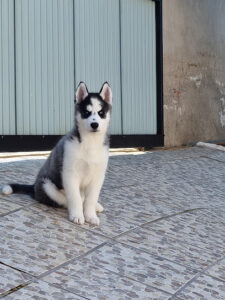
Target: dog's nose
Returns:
[94, 125]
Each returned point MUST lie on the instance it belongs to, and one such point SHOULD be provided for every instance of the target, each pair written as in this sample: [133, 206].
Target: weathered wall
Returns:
[194, 70]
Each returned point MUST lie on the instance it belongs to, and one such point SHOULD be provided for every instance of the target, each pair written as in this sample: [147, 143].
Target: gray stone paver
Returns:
[170, 248]
[93, 282]
[204, 287]
[9, 278]
[218, 270]
[7, 206]
[36, 241]
[161, 234]
[42, 290]
[135, 264]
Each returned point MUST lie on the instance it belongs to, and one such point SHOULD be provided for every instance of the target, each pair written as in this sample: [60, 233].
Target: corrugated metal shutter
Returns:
[138, 66]
[97, 49]
[7, 67]
[44, 66]
[58, 43]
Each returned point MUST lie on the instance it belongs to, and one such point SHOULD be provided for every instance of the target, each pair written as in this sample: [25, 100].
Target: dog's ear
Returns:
[106, 93]
[81, 92]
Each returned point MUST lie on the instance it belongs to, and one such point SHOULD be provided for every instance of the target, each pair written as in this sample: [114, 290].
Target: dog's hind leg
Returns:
[54, 193]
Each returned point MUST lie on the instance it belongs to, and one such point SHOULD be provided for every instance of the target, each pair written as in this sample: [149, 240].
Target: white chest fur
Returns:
[86, 160]
[84, 166]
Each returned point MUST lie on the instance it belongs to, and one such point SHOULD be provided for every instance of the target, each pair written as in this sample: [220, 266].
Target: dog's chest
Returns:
[85, 161]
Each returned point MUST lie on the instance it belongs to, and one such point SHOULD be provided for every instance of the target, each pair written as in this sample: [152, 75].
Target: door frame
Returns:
[13, 143]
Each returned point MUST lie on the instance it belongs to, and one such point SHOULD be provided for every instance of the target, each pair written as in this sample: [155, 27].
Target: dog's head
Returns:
[93, 109]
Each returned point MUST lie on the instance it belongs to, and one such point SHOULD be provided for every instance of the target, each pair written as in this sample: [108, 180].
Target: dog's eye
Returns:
[101, 113]
[86, 113]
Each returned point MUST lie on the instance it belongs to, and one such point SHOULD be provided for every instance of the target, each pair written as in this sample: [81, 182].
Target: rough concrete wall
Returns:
[194, 70]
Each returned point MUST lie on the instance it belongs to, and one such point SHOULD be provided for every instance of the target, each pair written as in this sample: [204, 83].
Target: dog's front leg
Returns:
[91, 199]
[74, 201]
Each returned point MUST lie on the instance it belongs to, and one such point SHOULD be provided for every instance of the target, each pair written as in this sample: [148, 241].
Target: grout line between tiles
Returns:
[158, 219]
[33, 280]
[212, 265]
[185, 285]
[159, 257]
[10, 212]
[121, 276]
[63, 289]
[14, 268]
[71, 261]
[18, 209]
[16, 288]
[165, 258]
[203, 272]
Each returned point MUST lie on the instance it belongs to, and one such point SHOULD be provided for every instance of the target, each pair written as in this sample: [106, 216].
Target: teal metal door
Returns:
[115, 41]
[97, 49]
[57, 44]
[44, 66]
[7, 67]
[138, 66]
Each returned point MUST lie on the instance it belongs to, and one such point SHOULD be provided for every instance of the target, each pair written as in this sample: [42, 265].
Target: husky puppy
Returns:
[73, 174]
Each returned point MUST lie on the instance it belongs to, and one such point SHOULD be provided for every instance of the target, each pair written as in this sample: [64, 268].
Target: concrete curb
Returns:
[211, 146]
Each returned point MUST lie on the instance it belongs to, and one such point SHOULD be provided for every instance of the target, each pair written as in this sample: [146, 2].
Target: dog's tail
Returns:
[19, 189]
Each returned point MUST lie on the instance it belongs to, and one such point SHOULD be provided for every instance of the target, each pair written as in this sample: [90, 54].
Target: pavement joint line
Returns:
[15, 289]
[163, 257]
[41, 277]
[71, 261]
[32, 279]
[133, 279]
[173, 215]
[121, 276]
[169, 260]
[185, 285]
[158, 219]
[76, 259]
[128, 277]
[11, 212]
[203, 272]
[115, 237]
[63, 289]
[212, 265]
[18, 209]
[158, 256]
[14, 268]
[91, 230]
[8, 199]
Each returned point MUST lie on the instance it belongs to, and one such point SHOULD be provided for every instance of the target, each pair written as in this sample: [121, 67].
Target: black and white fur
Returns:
[73, 174]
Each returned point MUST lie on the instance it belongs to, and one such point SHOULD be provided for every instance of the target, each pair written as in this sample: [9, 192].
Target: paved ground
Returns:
[162, 234]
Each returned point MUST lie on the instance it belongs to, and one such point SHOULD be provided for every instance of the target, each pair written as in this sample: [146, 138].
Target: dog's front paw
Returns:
[76, 219]
[94, 220]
